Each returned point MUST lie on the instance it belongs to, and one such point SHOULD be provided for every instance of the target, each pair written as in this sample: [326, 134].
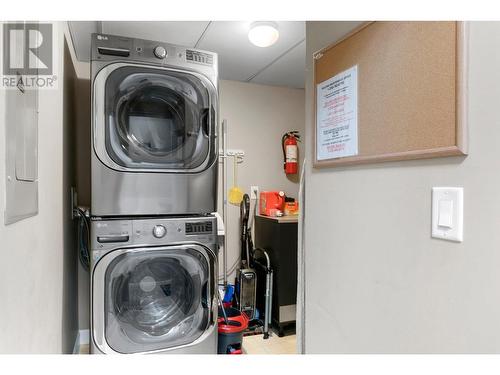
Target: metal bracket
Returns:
[74, 203]
[76, 211]
[238, 153]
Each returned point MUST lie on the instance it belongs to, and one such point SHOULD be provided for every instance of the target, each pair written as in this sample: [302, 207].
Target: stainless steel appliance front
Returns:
[154, 129]
[153, 286]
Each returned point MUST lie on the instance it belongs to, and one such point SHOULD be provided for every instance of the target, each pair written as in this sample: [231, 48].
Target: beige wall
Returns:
[375, 280]
[38, 278]
[257, 116]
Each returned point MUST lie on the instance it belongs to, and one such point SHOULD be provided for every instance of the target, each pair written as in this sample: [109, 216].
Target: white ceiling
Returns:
[282, 64]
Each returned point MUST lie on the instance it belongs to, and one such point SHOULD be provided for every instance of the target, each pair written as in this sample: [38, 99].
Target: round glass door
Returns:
[157, 119]
[156, 299]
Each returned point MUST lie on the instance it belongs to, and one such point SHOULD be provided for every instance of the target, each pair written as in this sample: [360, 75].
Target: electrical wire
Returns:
[83, 240]
[232, 269]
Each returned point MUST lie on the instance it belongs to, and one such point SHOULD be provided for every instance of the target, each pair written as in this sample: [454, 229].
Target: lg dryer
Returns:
[154, 285]
[154, 128]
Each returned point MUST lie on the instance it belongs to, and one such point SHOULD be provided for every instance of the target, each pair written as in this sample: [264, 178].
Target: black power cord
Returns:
[83, 239]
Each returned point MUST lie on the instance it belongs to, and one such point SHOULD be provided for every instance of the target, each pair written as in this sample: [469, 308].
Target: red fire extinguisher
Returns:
[290, 151]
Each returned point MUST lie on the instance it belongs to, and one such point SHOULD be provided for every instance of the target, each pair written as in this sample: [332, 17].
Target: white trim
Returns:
[301, 268]
[83, 338]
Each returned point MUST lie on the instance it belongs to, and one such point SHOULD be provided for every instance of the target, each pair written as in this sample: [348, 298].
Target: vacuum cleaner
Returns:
[246, 280]
[246, 277]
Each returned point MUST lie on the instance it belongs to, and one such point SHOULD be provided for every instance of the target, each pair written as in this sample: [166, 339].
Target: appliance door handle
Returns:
[110, 239]
[208, 125]
[113, 51]
[205, 122]
[206, 303]
[204, 296]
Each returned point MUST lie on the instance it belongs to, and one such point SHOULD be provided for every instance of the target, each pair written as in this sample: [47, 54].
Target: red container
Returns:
[272, 203]
[231, 334]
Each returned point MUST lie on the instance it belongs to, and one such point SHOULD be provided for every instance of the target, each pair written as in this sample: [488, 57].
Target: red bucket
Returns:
[231, 334]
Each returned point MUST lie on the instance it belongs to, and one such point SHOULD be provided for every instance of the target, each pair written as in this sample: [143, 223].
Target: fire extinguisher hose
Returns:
[283, 147]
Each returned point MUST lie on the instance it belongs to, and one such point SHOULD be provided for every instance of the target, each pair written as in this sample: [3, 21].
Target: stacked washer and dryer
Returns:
[154, 187]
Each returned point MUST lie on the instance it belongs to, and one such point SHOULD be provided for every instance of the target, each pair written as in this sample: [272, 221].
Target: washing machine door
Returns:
[154, 119]
[153, 299]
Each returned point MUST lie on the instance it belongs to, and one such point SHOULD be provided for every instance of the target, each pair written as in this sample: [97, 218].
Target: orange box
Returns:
[272, 203]
[291, 208]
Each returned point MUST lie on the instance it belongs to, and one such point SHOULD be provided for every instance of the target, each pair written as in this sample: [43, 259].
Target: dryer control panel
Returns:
[112, 47]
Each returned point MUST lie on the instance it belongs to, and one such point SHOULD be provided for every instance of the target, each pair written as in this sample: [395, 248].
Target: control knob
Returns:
[159, 231]
[160, 52]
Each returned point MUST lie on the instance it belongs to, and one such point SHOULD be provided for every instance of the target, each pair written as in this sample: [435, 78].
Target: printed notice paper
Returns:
[337, 115]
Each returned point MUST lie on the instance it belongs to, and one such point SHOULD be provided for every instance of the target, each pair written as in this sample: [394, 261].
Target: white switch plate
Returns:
[448, 213]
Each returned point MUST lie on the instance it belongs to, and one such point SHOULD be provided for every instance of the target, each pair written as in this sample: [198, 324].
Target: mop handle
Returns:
[223, 309]
[235, 166]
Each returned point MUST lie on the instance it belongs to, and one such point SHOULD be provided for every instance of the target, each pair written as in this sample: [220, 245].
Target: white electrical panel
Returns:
[21, 138]
[26, 137]
[448, 213]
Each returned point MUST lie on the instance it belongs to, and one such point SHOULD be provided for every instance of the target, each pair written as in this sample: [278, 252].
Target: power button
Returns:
[159, 231]
[160, 52]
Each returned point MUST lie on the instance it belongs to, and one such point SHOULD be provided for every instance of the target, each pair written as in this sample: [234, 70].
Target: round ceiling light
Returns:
[263, 34]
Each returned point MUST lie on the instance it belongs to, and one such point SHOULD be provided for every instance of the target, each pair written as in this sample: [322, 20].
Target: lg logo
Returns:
[27, 49]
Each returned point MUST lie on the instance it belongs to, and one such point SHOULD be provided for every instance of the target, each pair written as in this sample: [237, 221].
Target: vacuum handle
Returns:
[248, 276]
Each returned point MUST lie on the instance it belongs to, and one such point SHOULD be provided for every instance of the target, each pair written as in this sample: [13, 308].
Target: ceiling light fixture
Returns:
[263, 34]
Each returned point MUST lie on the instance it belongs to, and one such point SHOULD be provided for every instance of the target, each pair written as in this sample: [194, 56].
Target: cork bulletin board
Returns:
[405, 90]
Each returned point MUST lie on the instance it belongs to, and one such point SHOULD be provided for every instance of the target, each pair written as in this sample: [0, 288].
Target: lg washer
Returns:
[154, 128]
[154, 285]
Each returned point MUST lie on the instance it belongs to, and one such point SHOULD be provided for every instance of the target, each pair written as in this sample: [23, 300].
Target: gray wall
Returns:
[82, 148]
[70, 255]
[376, 282]
[38, 279]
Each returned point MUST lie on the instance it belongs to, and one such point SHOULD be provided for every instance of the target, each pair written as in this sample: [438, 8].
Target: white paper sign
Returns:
[337, 115]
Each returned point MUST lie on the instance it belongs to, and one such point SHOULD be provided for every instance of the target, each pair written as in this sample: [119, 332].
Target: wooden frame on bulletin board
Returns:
[390, 128]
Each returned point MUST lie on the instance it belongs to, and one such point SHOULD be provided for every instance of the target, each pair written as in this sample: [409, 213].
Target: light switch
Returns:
[445, 216]
[447, 213]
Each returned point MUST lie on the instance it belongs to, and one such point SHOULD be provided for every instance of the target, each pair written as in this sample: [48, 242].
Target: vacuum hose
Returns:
[246, 241]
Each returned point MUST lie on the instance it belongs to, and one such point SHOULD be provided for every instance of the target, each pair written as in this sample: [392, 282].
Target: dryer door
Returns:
[155, 119]
[152, 299]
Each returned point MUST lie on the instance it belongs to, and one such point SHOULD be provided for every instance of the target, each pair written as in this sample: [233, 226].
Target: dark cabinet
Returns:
[278, 236]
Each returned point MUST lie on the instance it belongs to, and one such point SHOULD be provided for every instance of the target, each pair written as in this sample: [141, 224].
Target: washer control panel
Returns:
[199, 227]
[113, 233]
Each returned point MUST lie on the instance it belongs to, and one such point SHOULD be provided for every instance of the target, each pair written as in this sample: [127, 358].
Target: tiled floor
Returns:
[255, 345]
[273, 345]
